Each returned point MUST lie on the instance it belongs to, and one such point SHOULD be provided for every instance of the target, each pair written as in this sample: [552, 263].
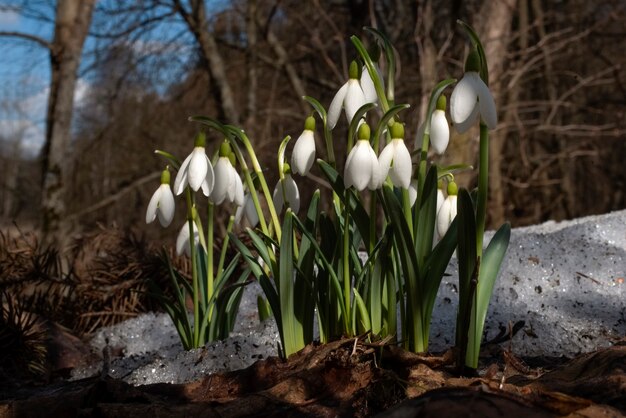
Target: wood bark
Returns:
[197, 22]
[495, 31]
[72, 22]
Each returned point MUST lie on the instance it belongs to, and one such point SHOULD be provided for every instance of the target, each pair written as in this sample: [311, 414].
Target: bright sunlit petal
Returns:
[303, 154]
[464, 98]
[166, 206]
[439, 131]
[336, 105]
[354, 98]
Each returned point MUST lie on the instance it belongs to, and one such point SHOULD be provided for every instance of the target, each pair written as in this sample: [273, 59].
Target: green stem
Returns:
[210, 274]
[229, 228]
[347, 282]
[483, 185]
[194, 272]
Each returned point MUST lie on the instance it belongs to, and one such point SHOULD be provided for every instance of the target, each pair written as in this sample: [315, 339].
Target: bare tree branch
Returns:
[27, 36]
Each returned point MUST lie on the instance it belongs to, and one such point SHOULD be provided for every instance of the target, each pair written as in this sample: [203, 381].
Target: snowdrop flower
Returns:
[362, 168]
[162, 202]
[447, 212]
[182, 241]
[413, 192]
[290, 192]
[367, 85]
[350, 97]
[247, 211]
[471, 98]
[228, 186]
[196, 171]
[303, 154]
[395, 159]
[439, 129]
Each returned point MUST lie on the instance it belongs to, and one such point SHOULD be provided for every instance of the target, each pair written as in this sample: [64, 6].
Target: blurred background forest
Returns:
[138, 69]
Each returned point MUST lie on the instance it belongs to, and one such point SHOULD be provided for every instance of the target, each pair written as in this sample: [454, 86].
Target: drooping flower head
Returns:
[395, 159]
[196, 170]
[228, 186]
[439, 129]
[349, 97]
[362, 168]
[448, 210]
[247, 211]
[162, 202]
[286, 191]
[182, 240]
[472, 99]
[303, 154]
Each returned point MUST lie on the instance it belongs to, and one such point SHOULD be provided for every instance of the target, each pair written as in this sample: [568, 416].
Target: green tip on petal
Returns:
[200, 140]
[286, 168]
[452, 189]
[225, 149]
[364, 132]
[354, 70]
[441, 103]
[165, 176]
[309, 124]
[473, 62]
[397, 130]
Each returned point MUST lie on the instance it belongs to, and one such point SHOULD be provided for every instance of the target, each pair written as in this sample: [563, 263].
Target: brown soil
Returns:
[348, 379]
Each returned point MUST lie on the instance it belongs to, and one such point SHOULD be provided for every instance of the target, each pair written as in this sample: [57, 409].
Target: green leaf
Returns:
[212, 123]
[281, 157]
[321, 111]
[359, 214]
[391, 59]
[384, 121]
[466, 256]
[489, 269]
[354, 124]
[426, 218]
[292, 330]
[363, 315]
[175, 162]
[263, 307]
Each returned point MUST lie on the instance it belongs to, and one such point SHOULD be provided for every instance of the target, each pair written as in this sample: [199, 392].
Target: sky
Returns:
[25, 75]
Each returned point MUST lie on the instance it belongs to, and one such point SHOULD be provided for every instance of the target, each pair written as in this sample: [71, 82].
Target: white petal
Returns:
[334, 109]
[197, 170]
[238, 197]
[376, 179]
[182, 240]
[166, 206]
[369, 90]
[487, 106]
[464, 126]
[439, 131]
[303, 154]
[209, 180]
[358, 170]
[250, 211]
[384, 160]
[153, 205]
[464, 97]
[277, 197]
[222, 175]
[440, 199]
[354, 99]
[181, 177]
[401, 168]
[453, 207]
[443, 217]
[413, 192]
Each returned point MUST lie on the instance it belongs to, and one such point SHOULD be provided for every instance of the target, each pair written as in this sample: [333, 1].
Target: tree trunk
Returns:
[197, 23]
[496, 17]
[71, 25]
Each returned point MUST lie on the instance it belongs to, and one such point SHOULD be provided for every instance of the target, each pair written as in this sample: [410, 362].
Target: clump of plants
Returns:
[395, 217]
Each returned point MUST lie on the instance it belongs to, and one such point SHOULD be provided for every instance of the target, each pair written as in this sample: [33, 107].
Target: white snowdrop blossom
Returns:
[367, 85]
[362, 169]
[439, 131]
[472, 99]
[247, 211]
[395, 159]
[162, 202]
[349, 97]
[303, 154]
[413, 192]
[195, 171]
[182, 240]
[447, 212]
[440, 199]
[228, 186]
[291, 192]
